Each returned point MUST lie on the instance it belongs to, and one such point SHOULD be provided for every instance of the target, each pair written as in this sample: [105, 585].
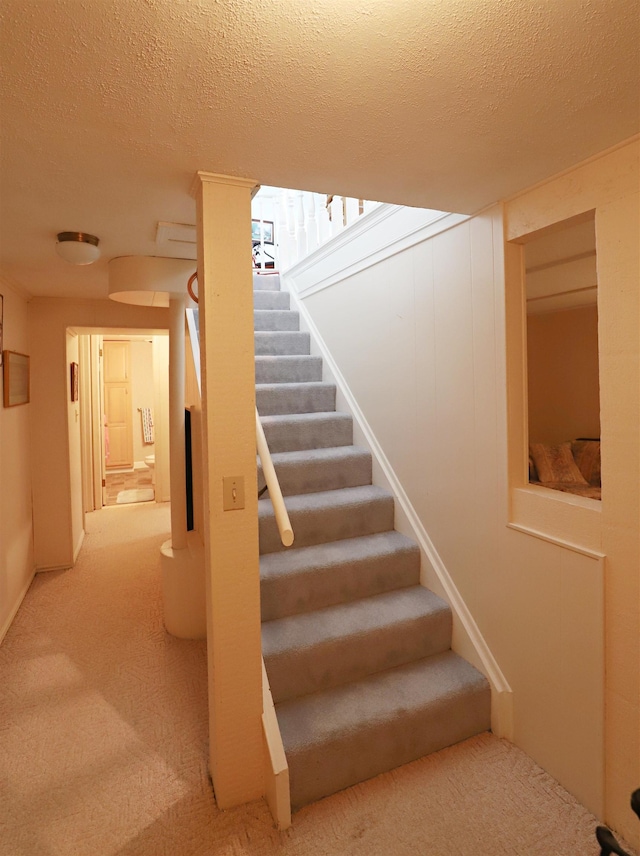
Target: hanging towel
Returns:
[147, 424]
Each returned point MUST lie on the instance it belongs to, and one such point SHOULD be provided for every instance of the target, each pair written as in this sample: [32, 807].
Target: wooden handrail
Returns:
[268, 470]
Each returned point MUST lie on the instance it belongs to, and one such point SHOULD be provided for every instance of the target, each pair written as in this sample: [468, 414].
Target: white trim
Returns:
[76, 552]
[9, 620]
[559, 542]
[423, 225]
[501, 693]
[47, 568]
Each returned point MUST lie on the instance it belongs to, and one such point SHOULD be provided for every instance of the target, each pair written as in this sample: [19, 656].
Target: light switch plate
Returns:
[232, 493]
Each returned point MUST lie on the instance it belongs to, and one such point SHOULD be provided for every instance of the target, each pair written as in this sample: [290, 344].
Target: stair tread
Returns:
[360, 617]
[340, 736]
[317, 717]
[283, 387]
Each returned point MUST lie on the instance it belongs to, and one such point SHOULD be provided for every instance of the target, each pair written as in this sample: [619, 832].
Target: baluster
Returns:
[312, 223]
[369, 205]
[351, 210]
[291, 225]
[337, 215]
[301, 235]
[282, 234]
[324, 223]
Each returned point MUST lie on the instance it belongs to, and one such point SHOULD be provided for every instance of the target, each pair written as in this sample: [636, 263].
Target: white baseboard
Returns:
[7, 624]
[468, 641]
[78, 547]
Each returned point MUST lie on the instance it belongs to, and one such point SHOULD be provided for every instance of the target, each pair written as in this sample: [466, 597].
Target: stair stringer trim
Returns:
[467, 639]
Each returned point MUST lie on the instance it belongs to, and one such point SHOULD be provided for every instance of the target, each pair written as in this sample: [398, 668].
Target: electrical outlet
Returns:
[232, 493]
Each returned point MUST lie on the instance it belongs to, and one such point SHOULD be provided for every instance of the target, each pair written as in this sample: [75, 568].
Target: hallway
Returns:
[103, 733]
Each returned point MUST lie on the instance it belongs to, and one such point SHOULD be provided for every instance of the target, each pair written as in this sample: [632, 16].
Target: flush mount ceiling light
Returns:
[78, 248]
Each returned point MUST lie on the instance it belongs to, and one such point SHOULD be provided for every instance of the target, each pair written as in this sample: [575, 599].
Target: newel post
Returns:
[225, 286]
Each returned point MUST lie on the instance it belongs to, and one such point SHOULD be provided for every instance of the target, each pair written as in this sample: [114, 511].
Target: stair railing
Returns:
[268, 470]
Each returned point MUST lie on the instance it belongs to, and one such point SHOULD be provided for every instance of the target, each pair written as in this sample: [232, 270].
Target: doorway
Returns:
[124, 420]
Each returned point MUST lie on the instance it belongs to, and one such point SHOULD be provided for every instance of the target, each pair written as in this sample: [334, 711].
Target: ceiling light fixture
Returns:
[78, 248]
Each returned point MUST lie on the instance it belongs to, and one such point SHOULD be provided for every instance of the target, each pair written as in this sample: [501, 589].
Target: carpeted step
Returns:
[318, 650]
[314, 470]
[288, 369]
[275, 319]
[312, 397]
[271, 300]
[307, 578]
[333, 515]
[269, 342]
[266, 281]
[336, 738]
[292, 431]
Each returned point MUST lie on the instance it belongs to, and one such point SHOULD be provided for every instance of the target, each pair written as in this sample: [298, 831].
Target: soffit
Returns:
[108, 109]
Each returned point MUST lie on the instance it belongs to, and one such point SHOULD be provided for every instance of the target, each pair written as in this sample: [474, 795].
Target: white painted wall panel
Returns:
[420, 339]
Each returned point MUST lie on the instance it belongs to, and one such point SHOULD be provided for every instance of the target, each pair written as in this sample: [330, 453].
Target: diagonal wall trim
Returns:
[468, 641]
[410, 226]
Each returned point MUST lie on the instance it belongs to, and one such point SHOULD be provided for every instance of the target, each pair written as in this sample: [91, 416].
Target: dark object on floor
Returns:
[608, 843]
[607, 840]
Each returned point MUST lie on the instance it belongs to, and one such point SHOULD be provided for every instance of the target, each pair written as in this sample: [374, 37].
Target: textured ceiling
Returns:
[108, 108]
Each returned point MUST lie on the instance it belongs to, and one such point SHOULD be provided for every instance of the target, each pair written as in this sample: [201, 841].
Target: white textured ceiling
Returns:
[110, 106]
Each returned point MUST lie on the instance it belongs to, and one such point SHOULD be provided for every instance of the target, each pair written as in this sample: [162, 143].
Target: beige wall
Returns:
[420, 339]
[16, 532]
[75, 453]
[610, 186]
[564, 389]
[49, 319]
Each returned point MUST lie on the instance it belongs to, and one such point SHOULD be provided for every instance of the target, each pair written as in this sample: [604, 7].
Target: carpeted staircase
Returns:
[357, 651]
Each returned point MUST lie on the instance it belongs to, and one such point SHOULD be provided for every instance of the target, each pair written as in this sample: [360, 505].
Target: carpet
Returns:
[103, 741]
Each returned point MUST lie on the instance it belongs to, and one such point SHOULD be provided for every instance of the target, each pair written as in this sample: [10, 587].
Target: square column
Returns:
[225, 290]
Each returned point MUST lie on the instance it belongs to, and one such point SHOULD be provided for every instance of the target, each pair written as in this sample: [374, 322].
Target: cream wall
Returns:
[610, 185]
[419, 336]
[49, 319]
[562, 351]
[16, 531]
[75, 454]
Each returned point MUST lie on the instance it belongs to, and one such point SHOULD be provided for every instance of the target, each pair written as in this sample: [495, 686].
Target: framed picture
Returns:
[267, 231]
[15, 375]
[74, 381]
[1, 322]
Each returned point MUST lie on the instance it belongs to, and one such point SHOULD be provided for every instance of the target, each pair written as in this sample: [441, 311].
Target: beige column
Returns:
[177, 463]
[229, 450]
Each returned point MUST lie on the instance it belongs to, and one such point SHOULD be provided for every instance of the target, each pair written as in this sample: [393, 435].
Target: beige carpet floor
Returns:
[103, 742]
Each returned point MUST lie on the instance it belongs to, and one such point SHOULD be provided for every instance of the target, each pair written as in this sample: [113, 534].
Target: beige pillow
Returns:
[556, 464]
[587, 457]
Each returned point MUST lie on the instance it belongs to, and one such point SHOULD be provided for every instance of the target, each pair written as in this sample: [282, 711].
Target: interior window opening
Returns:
[562, 358]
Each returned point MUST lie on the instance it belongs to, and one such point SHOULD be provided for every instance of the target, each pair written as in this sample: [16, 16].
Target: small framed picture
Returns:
[267, 231]
[15, 375]
[74, 381]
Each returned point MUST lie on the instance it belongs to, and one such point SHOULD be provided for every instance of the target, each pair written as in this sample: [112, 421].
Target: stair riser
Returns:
[274, 343]
[367, 752]
[288, 369]
[319, 586]
[319, 526]
[321, 475]
[283, 399]
[312, 669]
[296, 435]
[275, 319]
[270, 282]
[271, 300]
